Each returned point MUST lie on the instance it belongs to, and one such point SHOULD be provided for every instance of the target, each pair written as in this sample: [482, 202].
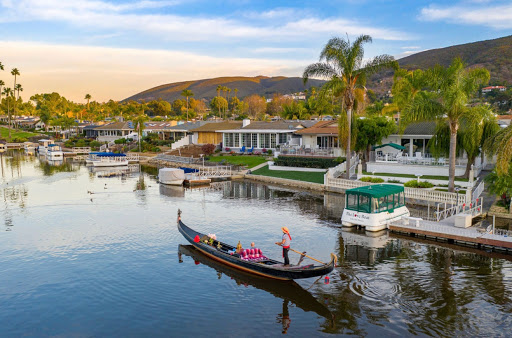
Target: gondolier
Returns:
[285, 243]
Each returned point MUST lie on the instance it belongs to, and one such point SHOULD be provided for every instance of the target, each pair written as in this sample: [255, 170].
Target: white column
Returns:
[410, 147]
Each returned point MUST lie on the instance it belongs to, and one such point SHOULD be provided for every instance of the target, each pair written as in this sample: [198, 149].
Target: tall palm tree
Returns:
[187, 93]
[88, 97]
[15, 72]
[8, 92]
[341, 62]
[219, 88]
[236, 91]
[19, 89]
[140, 126]
[228, 90]
[445, 100]
[1, 66]
[2, 83]
[501, 145]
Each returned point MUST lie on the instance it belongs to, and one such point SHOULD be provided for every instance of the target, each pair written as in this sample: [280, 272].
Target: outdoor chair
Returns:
[250, 151]
[242, 150]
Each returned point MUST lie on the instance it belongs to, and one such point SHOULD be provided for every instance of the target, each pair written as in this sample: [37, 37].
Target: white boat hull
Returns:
[175, 182]
[55, 155]
[109, 163]
[373, 221]
[42, 150]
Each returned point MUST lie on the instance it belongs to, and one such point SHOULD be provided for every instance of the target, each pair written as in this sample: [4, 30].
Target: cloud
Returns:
[495, 16]
[410, 47]
[100, 15]
[116, 73]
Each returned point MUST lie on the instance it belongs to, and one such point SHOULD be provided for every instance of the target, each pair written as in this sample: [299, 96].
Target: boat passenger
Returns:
[252, 245]
[285, 243]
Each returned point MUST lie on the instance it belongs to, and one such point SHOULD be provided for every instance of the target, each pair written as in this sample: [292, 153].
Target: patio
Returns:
[305, 151]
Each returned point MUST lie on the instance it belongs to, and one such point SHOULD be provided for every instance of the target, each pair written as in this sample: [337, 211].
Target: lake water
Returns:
[98, 254]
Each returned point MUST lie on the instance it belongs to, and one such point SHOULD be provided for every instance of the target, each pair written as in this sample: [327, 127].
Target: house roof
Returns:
[188, 126]
[116, 126]
[421, 128]
[277, 125]
[504, 117]
[215, 126]
[159, 125]
[321, 127]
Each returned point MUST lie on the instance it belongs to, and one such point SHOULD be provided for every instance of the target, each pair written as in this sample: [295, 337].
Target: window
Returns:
[254, 140]
[264, 141]
[352, 202]
[364, 204]
[283, 138]
[237, 140]
[272, 140]
[246, 140]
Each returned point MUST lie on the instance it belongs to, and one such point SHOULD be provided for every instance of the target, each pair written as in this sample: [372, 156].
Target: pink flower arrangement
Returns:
[227, 149]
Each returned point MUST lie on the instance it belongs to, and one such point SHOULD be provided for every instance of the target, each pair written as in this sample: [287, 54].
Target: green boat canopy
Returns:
[393, 145]
[376, 190]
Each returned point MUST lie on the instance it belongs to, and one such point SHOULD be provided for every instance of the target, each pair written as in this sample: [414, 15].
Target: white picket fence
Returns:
[478, 190]
[415, 193]
[338, 170]
[219, 171]
[475, 208]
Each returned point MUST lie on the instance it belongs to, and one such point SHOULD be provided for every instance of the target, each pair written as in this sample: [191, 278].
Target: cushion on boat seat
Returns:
[252, 255]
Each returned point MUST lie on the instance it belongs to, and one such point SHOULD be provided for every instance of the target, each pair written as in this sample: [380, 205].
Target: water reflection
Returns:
[49, 168]
[288, 291]
[171, 190]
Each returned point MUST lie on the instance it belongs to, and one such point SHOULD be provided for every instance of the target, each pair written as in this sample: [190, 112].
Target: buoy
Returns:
[326, 281]
[197, 239]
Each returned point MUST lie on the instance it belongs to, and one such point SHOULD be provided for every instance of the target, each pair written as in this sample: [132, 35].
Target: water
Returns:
[86, 255]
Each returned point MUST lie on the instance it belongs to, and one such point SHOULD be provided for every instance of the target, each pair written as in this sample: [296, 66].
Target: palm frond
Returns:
[320, 69]
[379, 63]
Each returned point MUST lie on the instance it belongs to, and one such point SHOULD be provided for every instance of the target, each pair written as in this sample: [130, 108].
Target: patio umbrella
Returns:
[393, 145]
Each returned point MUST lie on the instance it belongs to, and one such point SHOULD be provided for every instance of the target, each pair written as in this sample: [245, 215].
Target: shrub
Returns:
[208, 149]
[372, 179]
[416, 184]
[120, 141]
[19, 140]
[394, 181]
[269, 151]
[308, 162]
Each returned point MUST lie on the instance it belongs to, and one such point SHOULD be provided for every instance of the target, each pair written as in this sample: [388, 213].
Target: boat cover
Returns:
[170, 174]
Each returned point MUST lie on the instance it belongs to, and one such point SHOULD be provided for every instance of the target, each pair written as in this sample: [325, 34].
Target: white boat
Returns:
[43, 146]
[3, 147]
[29, 146]
[109, 160]
[171, 176]
[374, 206]
[54, 153]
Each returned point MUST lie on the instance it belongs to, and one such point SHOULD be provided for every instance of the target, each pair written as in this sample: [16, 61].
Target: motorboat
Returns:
[374, 206]
[109, 160]
[171, 176]
[54, 153]
[43, 146]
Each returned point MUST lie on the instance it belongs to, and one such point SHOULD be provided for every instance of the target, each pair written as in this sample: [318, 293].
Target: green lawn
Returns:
[4, 133]
[249, 161]
[424, 177]
[314, 177]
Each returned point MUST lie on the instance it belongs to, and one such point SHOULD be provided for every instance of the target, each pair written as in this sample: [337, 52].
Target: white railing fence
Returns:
[220, 171]
[475, 208]
[181, 142]
[478, 190]
[81, 150]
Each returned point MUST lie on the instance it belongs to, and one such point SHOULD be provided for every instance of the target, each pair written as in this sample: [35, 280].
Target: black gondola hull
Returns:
[270, 271]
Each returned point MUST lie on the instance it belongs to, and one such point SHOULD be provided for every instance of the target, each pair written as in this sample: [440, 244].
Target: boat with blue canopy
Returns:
[106, 159]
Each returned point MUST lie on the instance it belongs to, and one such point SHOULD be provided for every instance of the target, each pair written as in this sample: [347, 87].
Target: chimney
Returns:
[246, 122]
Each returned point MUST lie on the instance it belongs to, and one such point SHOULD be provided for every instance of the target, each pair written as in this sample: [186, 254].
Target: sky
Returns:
[113, 49]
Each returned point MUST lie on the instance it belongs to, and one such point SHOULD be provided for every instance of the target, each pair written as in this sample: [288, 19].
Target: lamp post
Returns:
[457, 191]
[418, 178]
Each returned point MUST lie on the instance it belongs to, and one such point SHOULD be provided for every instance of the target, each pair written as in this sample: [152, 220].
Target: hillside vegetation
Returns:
[261, 85]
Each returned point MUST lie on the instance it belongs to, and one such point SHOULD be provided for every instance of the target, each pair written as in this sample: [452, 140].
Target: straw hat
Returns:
[285, 229]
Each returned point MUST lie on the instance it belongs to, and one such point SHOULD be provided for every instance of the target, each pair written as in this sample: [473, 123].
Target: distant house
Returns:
[160, 128]
[415, 138]
[211, 133]
[263, 135]
[491, 88]
[504, 120]
[181, 130]
[113, 131]
[27, 122]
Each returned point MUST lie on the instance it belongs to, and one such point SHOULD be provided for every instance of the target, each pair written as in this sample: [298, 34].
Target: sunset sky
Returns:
[114, 49]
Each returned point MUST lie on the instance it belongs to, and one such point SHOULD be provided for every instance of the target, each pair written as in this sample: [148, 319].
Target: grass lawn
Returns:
[4, 133]
[314, 177]
[248, 160]
[424, 177]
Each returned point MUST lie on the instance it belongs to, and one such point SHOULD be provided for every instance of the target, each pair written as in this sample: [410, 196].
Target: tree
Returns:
[218, 103]
[88, 97]
[187, 93]
[275, 107]
[177, 105]
[500, 184]
[14, 72]
[445, 100]
[139, 126]
[2, 83]
[341, 62]
[501, 145]
[236, 91]
[19, 89]
[8, 92]
[257, 106]
[370, 131]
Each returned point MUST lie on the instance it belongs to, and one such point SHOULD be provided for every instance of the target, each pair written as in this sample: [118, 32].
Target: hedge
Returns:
[372, 179]
[416, 184]
[308, 162]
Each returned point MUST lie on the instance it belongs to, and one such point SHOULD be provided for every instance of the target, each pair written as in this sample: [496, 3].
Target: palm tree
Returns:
[501, 145]
[236, 91]
[7, 92]
[88, 98]
[139, 126]
[446, 101]
[341, 62]
[19, 89]
[228, 90]
[2, 83]
[1, 66]
[187, 93]
[15, 72]
[219, 88]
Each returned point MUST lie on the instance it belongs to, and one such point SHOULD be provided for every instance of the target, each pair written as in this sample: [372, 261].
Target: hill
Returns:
[495, 55]
[261, 85]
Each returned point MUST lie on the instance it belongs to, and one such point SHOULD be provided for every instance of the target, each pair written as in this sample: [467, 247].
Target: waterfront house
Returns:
[162, 129]
[320, 139]
[211, 133]
[264, 135]
[113, 131]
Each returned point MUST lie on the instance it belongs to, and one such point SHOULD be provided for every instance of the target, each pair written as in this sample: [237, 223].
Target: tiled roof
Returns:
[321, 127]
[159, 125]
[278, 125]
[504, 117]
[116, 126]
[214, 126]
[188, 126]
[421, 128]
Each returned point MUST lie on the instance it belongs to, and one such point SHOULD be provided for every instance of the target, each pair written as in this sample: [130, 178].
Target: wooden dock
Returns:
[480, 238]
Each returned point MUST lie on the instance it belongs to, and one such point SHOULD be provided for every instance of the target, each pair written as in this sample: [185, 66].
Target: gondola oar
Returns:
[303, 254]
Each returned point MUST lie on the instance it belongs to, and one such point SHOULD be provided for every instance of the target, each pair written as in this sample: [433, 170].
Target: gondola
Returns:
[287, 291]
[265, 267]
